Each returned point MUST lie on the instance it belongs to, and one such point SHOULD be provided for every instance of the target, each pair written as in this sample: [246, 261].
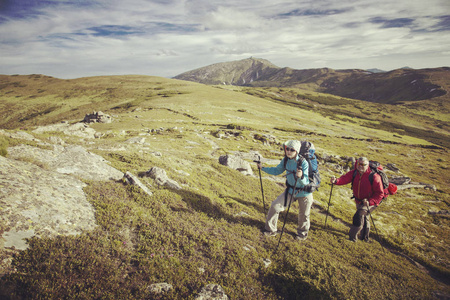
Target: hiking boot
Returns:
[301, 237]
[270, 233]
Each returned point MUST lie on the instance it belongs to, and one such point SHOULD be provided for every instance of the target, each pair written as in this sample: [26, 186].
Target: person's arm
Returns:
[344, 179]
[273, 170]
[377, 190]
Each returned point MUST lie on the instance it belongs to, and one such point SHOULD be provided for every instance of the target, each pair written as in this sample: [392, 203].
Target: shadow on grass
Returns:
[291, 287]
[258, 207]
[213, 210]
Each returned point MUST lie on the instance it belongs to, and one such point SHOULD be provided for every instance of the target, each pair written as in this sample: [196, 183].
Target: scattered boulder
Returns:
[163, 130]
[19, 135]
[159, 288]
[133, 180]
[161, 178]
[97, 117]
[404, 183]
[333, 159]
[392, 167]
[267, 139]
[157, 130]
[413, 185]
[253, 155]
[237, 163]
[400, 180]
[136, 140]
[81, 130]
[212, 291]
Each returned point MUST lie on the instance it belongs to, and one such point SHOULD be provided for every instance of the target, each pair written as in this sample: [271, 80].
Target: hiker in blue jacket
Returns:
[296, 171]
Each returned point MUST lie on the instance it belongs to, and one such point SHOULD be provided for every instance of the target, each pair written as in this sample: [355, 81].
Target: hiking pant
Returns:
[361, 223]
[277, 206]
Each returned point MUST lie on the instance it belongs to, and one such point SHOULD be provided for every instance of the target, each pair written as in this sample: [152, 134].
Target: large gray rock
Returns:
[39, 202]
[399, 180]
[19, 135]
[74, 160]
[97, 117]
[81, 130]
[133, 180]
[161, 178]
[237, 163]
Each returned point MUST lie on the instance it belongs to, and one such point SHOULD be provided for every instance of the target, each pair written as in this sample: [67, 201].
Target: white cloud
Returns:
[225, 18]
[165, 38]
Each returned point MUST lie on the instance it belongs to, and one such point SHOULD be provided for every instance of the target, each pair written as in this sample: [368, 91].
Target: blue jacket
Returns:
[291, 170]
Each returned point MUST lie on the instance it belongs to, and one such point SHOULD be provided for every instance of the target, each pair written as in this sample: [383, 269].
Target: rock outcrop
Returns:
[97, 117]
[42, 193]
[133, 180]
[39, 202]
[161, 178]
[74, 160]
[237, 163]
[78, 129]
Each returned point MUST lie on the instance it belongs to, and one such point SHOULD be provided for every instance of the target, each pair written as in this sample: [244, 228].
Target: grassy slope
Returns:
[192, 237]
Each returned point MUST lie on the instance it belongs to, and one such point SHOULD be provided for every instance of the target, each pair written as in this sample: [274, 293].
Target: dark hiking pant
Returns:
[361, 223]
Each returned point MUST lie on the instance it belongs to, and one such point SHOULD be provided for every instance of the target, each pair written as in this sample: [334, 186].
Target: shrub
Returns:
[3, 146]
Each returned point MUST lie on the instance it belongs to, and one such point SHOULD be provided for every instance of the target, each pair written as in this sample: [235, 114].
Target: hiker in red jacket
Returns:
[367, 196]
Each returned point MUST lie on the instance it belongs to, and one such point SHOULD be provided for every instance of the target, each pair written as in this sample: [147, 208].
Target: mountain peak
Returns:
[240, 72]
[372, 85]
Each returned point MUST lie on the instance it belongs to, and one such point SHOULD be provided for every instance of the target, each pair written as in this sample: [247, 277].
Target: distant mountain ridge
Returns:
[370, 85]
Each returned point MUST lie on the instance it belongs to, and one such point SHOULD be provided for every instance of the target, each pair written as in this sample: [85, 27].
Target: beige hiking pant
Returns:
[277, 206]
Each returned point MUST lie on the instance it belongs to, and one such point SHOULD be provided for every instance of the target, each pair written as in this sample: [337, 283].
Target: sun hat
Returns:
[293, 144]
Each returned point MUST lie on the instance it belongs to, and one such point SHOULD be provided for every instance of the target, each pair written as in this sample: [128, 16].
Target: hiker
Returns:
[367, 196]
[296, 171]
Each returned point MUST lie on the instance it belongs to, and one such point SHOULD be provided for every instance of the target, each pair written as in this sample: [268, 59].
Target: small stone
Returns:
[158, 288]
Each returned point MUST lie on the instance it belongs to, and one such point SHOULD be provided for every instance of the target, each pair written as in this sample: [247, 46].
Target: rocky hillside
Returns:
[383, 87]
[156, 195]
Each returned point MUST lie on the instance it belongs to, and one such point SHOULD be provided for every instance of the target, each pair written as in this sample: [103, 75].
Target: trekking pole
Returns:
[329, 201]
[285, 217]
[260, 180]
[376, 231]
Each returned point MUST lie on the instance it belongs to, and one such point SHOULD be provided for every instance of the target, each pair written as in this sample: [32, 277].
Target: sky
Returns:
[80, 38]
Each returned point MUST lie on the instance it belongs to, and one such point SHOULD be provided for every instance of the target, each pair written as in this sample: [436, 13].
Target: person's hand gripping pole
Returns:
[259, 165]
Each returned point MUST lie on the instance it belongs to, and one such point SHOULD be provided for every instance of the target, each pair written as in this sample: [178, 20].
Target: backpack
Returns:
[307, 152]
[376, 167]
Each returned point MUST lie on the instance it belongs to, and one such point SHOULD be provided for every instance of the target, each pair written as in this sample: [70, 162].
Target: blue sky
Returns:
[78, 38]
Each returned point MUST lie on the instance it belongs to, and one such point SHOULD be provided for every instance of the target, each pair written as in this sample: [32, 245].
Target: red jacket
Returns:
[362, 189]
